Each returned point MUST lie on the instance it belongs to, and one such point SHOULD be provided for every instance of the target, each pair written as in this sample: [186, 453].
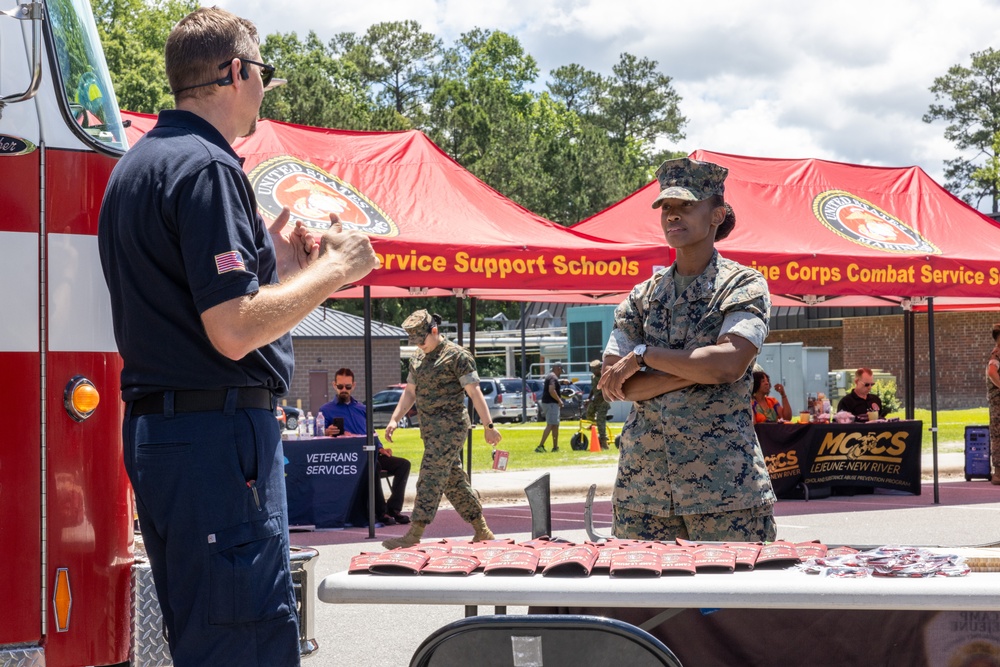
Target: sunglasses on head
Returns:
[345, 386]
[266, 74]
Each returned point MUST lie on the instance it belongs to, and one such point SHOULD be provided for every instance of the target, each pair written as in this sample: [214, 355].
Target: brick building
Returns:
[327, 340]
[962, 340]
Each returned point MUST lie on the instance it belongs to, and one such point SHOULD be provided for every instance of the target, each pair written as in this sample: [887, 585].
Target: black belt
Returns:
[210, 400]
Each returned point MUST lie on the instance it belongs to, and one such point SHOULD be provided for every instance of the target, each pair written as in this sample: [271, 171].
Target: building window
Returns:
[586, 341]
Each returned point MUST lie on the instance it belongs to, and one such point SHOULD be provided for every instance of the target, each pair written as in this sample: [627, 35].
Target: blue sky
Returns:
[845, 81]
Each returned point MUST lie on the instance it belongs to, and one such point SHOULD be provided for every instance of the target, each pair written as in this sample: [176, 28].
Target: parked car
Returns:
[504, 398]
[384, 403]
[288, 416]
[535, 387]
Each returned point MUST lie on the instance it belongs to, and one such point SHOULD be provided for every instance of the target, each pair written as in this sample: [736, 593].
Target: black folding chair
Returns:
[542, 641]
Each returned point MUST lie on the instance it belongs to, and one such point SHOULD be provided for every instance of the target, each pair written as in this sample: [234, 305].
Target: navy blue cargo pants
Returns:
[210, 494]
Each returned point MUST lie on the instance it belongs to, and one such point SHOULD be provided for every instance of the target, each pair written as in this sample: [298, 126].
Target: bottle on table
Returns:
[310, 425]
[320, 425]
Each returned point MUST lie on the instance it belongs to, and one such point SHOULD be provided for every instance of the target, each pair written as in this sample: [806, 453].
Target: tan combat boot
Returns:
[483, 531]
[412, 537]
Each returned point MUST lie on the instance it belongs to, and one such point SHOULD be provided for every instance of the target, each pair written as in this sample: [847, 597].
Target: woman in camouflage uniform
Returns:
[993, 396]
[690, 465]
[441, 375]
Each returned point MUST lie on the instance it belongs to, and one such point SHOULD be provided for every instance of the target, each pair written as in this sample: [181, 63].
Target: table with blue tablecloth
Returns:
[325, 482]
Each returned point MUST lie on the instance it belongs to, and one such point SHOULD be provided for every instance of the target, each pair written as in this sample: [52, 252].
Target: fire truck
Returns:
[75, 591]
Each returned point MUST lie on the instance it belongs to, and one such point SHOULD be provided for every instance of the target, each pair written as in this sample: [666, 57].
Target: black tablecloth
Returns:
[880, 454]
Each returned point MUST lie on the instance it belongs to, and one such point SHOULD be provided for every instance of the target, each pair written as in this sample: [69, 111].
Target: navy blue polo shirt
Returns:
[179, 233]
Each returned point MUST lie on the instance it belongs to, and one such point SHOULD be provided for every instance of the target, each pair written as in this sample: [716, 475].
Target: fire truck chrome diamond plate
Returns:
[25, 657]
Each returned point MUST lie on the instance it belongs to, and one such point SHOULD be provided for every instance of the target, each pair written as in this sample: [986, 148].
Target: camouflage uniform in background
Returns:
[439, 379]
[692, 451]
[993, 400]
[597, 409]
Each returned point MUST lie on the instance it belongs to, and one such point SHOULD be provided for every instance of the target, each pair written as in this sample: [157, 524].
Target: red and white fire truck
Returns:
[73, 592]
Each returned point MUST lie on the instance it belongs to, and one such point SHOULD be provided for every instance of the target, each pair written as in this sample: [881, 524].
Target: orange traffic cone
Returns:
[595, 445]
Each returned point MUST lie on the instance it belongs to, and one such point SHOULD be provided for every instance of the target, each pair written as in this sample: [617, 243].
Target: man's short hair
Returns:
[345, 372]
[861, 372]
[200, 42]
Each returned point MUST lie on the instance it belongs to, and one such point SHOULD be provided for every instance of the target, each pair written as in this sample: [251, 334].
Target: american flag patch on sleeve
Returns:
[229, 261]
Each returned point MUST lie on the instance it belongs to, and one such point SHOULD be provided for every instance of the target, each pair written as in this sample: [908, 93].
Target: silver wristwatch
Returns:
[639, 351]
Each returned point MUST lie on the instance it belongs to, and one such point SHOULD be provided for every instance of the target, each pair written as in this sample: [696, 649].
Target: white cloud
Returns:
[782, 78]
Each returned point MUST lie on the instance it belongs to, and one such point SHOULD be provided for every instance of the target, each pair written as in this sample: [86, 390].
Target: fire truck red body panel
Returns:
[65, 502]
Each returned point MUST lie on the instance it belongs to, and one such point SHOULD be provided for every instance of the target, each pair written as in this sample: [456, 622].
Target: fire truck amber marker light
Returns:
[80, 398]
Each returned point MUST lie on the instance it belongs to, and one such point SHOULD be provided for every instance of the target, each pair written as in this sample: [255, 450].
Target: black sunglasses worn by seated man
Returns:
[266, 74]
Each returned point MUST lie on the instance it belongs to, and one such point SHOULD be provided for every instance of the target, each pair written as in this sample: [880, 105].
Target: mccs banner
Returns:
[884, 454]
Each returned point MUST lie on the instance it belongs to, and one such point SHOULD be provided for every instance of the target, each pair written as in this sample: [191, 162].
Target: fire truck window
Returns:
[83, 72]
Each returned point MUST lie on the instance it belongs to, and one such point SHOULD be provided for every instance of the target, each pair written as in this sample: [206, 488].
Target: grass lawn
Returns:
[951, 426]
[521, 440]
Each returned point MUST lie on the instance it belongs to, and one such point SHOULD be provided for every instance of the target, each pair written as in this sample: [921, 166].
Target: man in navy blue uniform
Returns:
[201, 322]
[355, 417]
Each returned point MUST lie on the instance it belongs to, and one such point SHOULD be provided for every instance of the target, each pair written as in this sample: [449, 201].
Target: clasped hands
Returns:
[613, 379]
[300, 247]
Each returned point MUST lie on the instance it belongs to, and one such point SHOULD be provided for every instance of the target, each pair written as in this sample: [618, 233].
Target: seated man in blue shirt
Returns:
[355, 417]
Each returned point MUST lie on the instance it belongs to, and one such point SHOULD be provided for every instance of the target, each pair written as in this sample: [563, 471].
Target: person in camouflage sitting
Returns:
[440, 377]
[690, 465]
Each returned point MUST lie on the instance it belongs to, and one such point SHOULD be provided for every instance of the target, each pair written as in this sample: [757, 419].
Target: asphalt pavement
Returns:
[573, 481]
[950, 513]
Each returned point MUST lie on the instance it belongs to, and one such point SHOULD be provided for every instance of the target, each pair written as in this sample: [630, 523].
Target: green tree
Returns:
[133, 34]
[611, 151]
[579, 89]
[484, 116]
[640, 104]
[970, 104]
[321, 89]
[397, 59]
[989, 173]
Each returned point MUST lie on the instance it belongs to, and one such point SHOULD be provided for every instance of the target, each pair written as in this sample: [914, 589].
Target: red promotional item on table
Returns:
[711, 558]
[807, 550]
[433, 549]
[636, 562]
[547, 553]
[450, 564]
[678, 561]
[361, 562]
[604, 553]
[399, 561]
[513, 561]
[464, 549]
[746, 553]
[484, 554]
[575, 561]
[778, 554]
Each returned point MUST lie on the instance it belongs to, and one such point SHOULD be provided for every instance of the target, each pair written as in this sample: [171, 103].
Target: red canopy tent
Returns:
[815, 227]
[821, 230]
[432, 222]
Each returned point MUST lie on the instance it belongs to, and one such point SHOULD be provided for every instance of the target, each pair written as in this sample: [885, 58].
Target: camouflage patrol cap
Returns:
[418, 326]
[691, 180]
